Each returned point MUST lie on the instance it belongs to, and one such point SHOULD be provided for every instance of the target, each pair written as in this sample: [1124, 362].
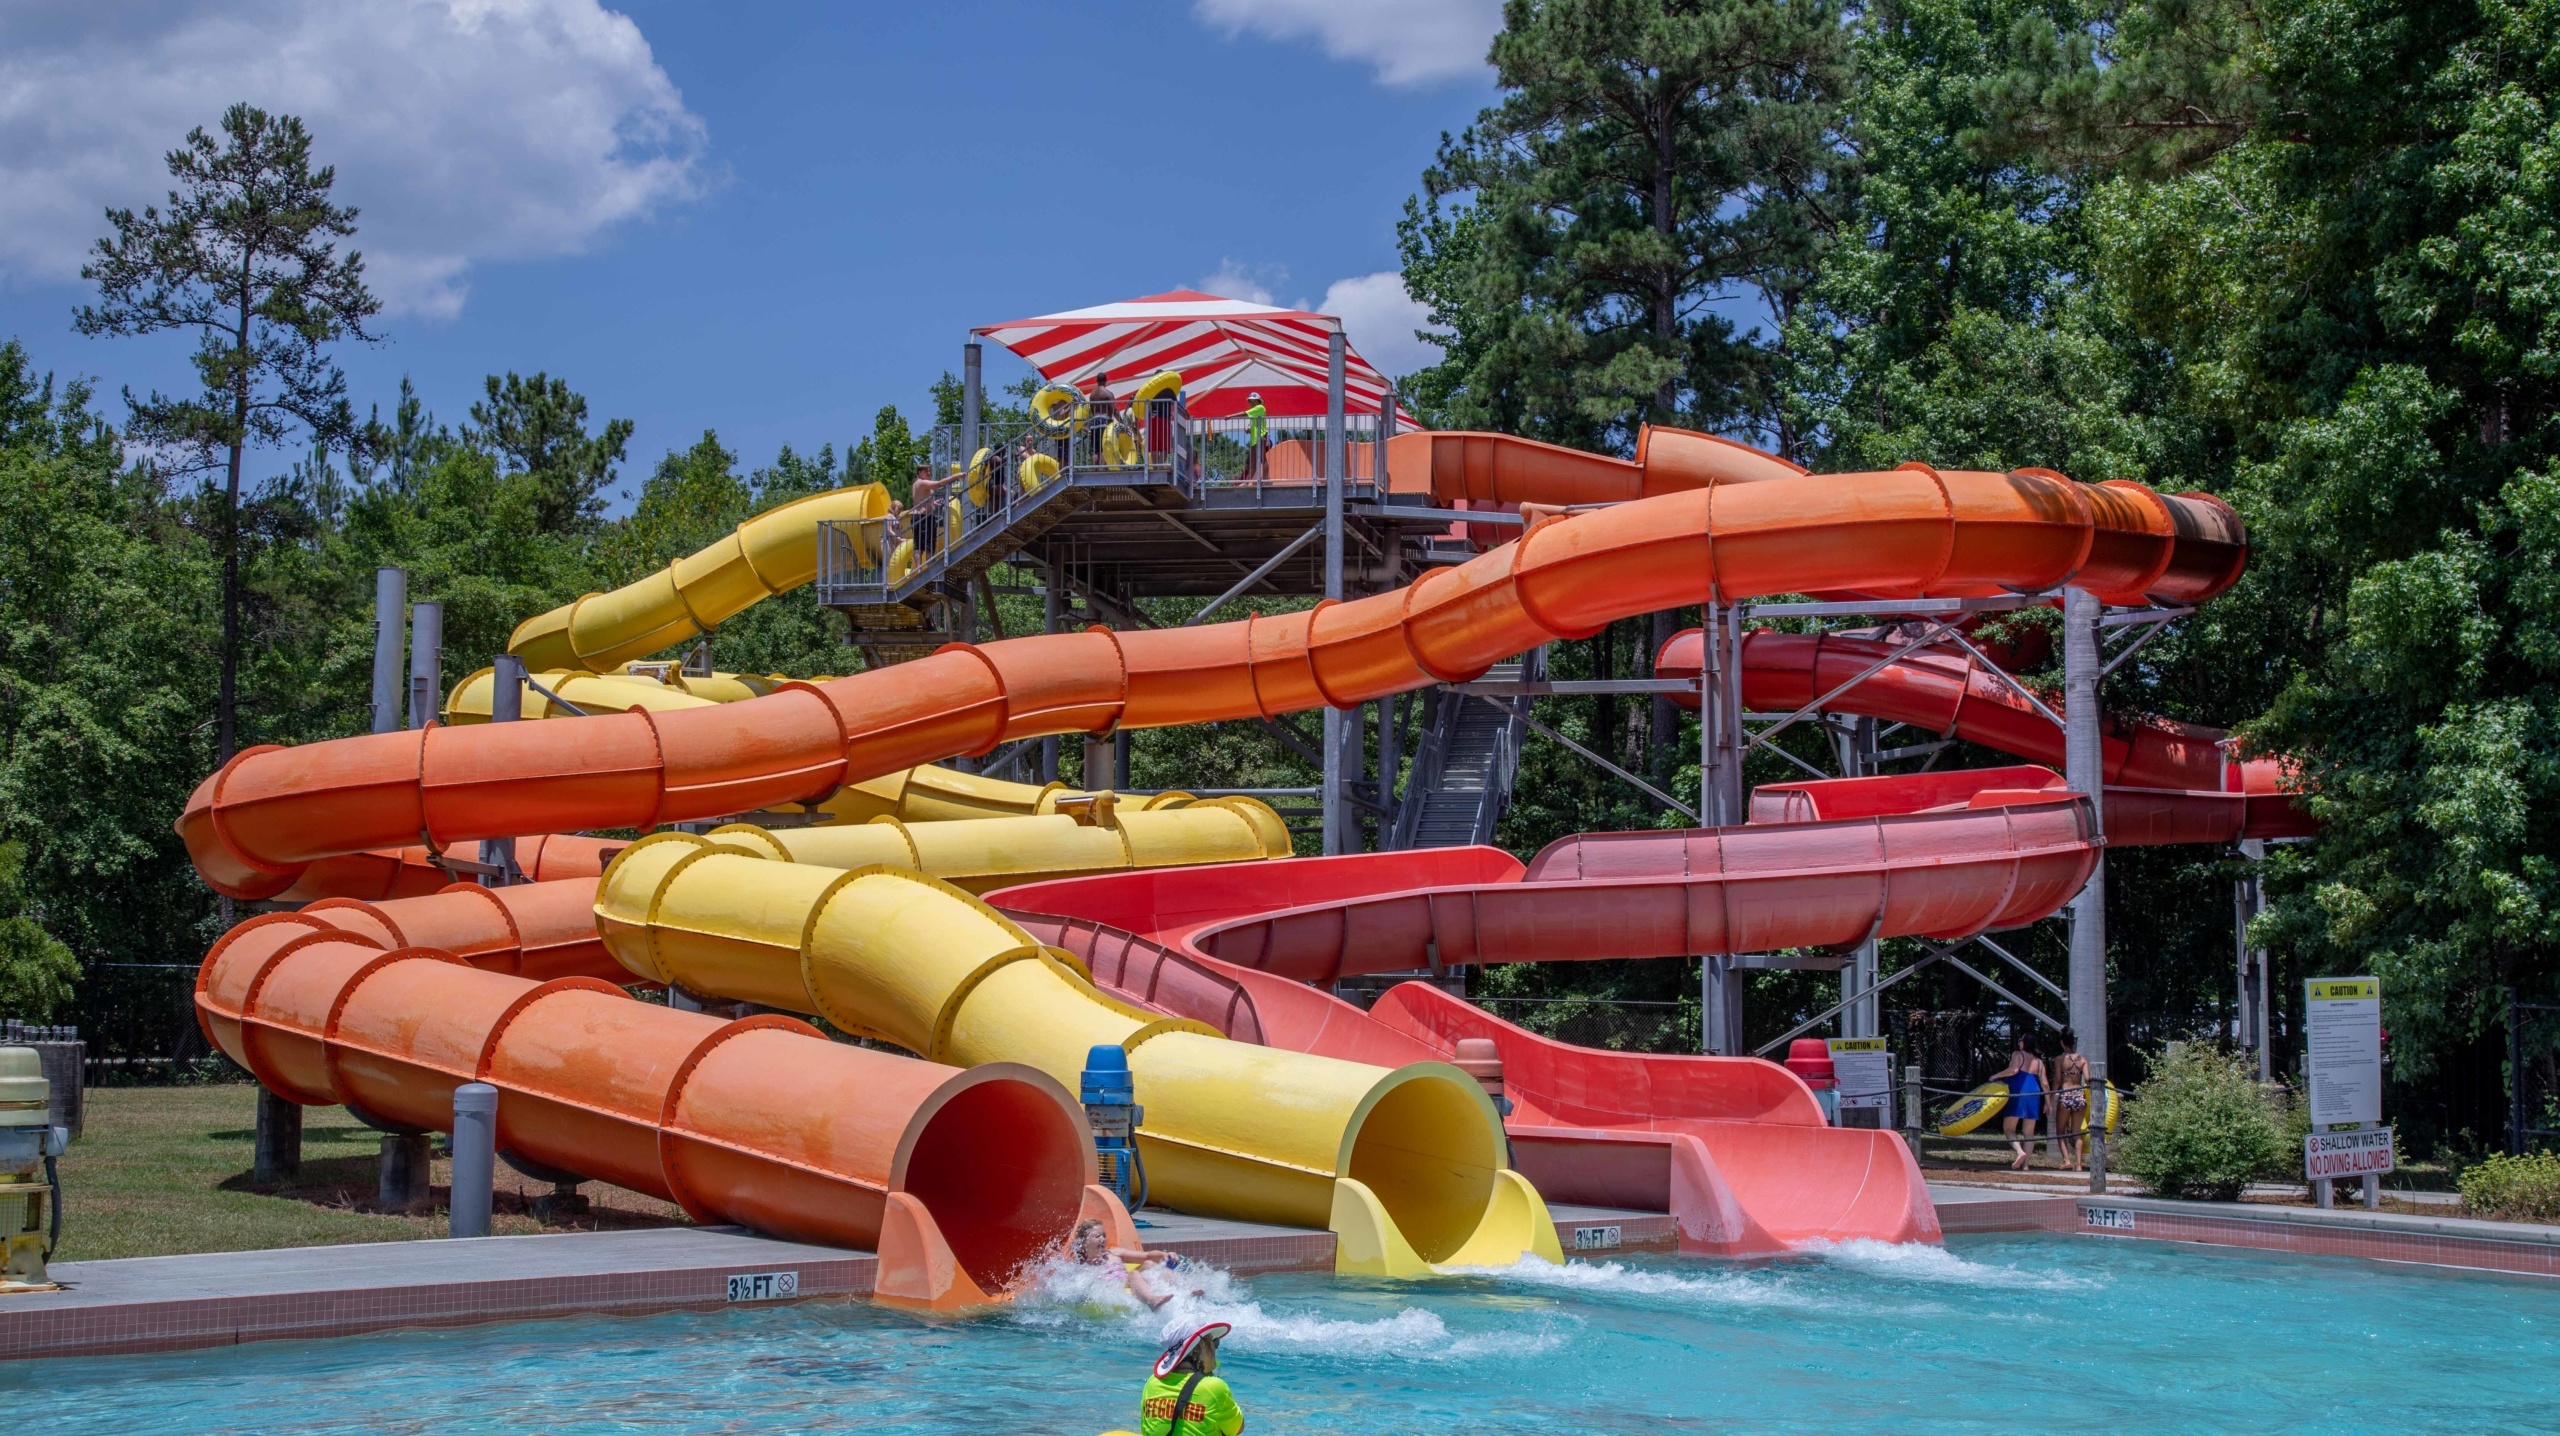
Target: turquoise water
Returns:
[1993, 1333]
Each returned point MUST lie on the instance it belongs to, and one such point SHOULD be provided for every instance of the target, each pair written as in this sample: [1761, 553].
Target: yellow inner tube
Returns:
[1162, 384]
[902, 559]
[1035, 472]
[1120, 446]
[1973, 1109]
[1059, 410]
[981, 464]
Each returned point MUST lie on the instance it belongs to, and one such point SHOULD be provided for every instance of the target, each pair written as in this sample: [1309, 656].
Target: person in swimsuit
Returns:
[2025, 1079]
[2071, 1098]
[1137, 1268]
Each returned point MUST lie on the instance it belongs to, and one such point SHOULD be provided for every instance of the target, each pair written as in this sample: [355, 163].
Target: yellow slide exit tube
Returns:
[1404, 1164]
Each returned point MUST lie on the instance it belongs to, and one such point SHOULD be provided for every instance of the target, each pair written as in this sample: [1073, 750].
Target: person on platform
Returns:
[2071, 1099]
[1185, 1397]
[1097, 418]
[2025, 1078]
[1257, 435]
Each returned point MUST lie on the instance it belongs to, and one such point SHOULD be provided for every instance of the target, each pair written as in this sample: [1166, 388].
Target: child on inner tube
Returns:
[1090, 1246]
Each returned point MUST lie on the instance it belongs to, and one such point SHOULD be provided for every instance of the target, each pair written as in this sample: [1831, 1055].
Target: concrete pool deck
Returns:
[177, 1303]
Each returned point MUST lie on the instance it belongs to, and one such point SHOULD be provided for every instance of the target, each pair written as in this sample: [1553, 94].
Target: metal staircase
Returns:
[1462, 774]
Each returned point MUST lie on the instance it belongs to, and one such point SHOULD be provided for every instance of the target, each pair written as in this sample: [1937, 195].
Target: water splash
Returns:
[1757, 1287]
[1922, 1262]
[1066, 1294]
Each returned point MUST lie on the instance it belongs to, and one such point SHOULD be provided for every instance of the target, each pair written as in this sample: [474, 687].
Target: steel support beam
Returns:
[426, 662]
[2085, 770]
[1338, 830]
[390, 617]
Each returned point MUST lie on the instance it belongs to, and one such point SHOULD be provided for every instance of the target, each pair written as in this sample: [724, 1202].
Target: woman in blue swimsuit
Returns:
[2025, 1078]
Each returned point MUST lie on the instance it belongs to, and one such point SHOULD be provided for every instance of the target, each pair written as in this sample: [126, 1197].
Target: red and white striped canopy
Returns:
[1225, 348]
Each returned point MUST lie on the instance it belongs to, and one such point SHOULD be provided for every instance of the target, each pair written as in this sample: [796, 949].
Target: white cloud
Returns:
[1408, 42]
[1237, 281]
[1380, 318]
[465, 130]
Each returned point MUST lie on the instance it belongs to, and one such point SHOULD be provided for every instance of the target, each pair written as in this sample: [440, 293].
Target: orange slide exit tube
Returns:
[256, 825]
[958, 1178]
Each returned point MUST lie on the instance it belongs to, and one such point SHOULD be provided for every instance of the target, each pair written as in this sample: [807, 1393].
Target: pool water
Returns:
[2021, 1334]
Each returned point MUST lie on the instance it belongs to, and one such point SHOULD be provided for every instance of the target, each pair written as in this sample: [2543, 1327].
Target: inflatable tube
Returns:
[1163, 384]
[981, 474]
[1120, 446]
[1059, 410]
[1036, 472]
[1974, 1109]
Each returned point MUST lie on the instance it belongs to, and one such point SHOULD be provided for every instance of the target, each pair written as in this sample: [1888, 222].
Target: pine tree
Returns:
[246, 257]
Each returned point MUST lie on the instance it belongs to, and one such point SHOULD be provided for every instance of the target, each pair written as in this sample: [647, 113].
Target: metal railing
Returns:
[1289, 450]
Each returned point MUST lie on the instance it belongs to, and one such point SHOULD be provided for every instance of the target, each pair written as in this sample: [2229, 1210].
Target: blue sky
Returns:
[768, 219]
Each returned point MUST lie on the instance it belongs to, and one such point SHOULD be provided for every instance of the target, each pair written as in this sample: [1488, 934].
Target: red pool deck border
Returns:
[2513, 1247]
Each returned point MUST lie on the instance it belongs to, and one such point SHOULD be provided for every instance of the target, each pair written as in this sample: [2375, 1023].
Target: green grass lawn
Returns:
[162, 1170]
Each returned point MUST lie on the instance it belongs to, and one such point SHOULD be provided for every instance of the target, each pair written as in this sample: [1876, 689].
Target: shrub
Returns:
[2514, 1189]
[2202, 1127]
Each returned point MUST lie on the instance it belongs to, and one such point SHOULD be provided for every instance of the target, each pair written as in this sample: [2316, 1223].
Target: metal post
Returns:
[1665, 718]
[1386, 431]
[1863, 1016]
[1051, 601]
[1720, 1005]
[1337, 810]
[390, 615]
[972, 400]
[2097, 1130]
[1100, 771]
[276, 1153]
[506, 705]
[2515, 1076]
[2080, 658]
[426, 662]
[475, 1158]
[2248, 900]
[400, 1174]
[1912, 1105]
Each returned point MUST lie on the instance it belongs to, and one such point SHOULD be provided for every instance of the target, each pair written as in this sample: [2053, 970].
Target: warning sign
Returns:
[2346, 1154]
[2343, 1019]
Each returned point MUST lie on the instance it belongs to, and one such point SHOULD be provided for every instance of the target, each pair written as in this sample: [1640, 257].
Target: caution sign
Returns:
[2343, 1020]
[2327, 1155]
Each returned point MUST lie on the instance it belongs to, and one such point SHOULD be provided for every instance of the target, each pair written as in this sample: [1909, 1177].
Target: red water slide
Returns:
[1734, 1148]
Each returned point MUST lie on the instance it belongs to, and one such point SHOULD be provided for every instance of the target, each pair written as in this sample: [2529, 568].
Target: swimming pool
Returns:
[2021, 1333]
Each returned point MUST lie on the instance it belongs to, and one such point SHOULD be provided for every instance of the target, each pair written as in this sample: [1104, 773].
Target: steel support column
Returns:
[1339, 834]
[2086, 773]
[390, 616]
[972, 399]
[426, 662]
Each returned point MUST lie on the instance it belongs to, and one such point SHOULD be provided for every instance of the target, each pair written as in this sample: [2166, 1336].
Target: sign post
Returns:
[2343, 1022]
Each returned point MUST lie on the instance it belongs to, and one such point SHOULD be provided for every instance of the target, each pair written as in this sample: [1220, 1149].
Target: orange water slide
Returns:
[957, 1178]
[255, 827]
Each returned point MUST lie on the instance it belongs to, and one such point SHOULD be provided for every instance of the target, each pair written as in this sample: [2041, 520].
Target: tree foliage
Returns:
[1650, 162]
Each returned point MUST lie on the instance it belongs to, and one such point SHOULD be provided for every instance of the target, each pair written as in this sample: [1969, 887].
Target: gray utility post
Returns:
[2084, 762]
[1338, 830]
[972, 395]
[475, 1158]
[2248, 899]
[426, 662]
[277, 1153]
[390, 616]
[401, 1172]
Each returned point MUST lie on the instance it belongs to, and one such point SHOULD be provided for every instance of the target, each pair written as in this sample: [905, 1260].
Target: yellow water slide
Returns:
[1404, 1164]
[984, 854]
[772, 553]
